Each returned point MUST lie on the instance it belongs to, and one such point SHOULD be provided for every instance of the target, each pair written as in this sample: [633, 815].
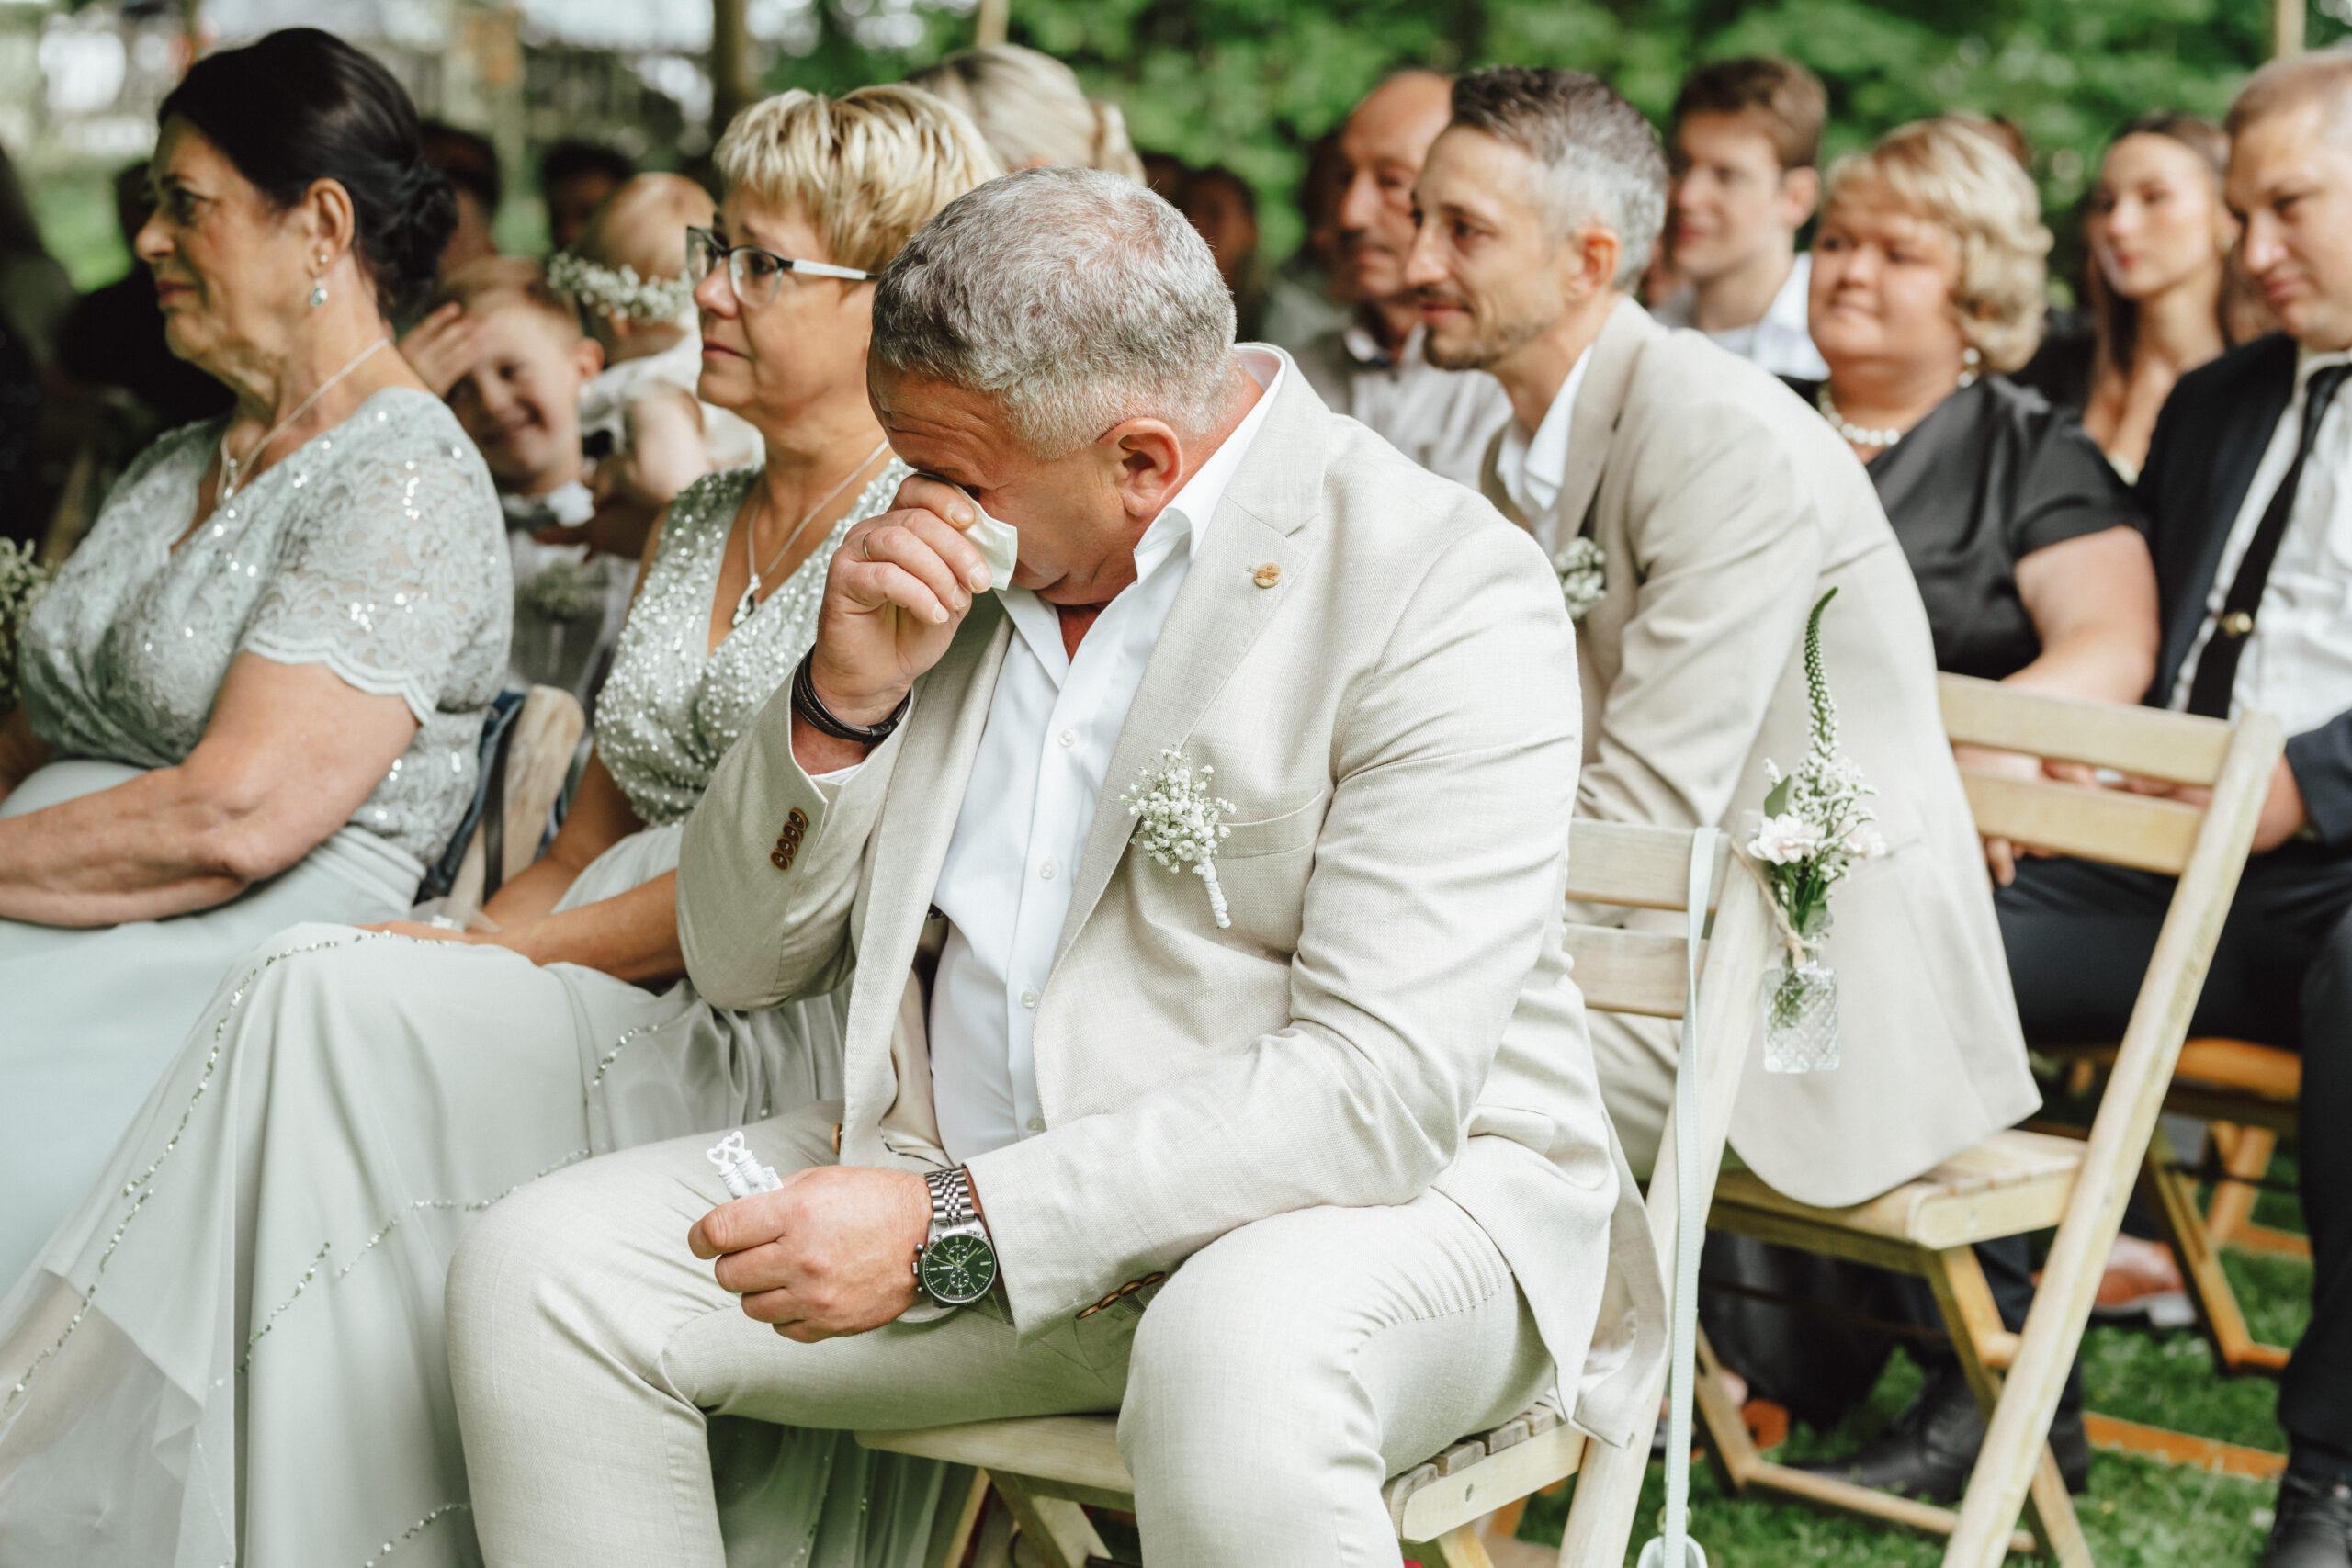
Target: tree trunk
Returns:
[731, 83]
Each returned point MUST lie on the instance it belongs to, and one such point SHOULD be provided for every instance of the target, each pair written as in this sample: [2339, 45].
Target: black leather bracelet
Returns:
[806, 703]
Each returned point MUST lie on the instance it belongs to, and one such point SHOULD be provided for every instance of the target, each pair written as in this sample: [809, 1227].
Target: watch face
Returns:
[958, 1268]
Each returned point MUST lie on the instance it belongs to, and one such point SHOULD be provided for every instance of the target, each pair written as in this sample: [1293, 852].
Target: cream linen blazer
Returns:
[1381, 671]
[1724, 507]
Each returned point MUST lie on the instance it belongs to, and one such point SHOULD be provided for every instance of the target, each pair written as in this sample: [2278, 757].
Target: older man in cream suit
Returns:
[1305, 1167]
[1723, 508]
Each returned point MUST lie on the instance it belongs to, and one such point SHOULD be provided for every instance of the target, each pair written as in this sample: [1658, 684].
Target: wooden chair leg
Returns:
[1966, 1303]
[2246, 1151]
[2201, 1263]
[1728, 1434]
[1460, 1547]
[1058, 1532]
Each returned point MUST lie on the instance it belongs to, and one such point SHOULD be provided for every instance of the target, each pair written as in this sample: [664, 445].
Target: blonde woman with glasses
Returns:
[232, 1351]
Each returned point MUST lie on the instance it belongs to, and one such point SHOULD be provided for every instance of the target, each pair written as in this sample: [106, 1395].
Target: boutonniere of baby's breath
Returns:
[561, 591]
[23, 579]
[1583, 580]
[1179, 823]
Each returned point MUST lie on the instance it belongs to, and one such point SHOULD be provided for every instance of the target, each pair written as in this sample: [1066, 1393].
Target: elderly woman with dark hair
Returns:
[253, 696]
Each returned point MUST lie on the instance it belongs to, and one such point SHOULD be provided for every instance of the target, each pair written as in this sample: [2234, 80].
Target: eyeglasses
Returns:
[755, 275]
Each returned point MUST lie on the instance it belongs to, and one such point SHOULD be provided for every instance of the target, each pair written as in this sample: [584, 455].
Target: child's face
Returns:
[521, 401]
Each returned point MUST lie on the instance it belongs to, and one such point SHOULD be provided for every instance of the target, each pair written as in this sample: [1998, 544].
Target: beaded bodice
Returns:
[673, 705]
[375, 549]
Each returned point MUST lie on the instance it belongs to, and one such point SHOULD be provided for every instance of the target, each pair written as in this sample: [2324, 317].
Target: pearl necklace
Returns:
[1855, 434]
[1862, 435]
[232, 470]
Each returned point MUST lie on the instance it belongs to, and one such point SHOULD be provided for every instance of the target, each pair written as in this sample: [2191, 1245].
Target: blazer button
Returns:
[782, 859]
[798, 821]
[1267, 575]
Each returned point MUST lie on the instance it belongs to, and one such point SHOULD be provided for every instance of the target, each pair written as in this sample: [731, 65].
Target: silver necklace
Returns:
[749, 604]
[233, 471]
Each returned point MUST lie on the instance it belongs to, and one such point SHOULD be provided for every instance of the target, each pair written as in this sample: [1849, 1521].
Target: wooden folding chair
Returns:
[521, 781]
[2015, 1181]
[1048, 1469]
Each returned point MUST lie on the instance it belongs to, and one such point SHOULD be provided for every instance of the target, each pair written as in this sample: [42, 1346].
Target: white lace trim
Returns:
[350, 671]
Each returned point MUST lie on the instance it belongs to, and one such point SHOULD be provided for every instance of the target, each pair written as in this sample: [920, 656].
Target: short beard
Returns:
[1490, 348]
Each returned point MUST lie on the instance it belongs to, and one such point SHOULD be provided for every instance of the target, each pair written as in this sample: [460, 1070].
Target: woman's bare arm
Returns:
[599, 818]
[289, 755]
[2093, 600]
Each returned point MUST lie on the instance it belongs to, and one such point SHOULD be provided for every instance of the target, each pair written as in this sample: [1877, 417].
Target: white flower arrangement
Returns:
[618, 292]
[23, 579]
[561, 591]
[1583, 580]
[1181, 822]
[1815, 827]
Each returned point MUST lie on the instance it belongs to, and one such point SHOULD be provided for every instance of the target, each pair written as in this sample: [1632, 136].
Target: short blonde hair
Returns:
[1031, 109]
[867, 168]
[1949, 174]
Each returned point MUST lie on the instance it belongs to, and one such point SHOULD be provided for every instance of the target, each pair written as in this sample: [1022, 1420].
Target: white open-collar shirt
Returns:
[1035, 785]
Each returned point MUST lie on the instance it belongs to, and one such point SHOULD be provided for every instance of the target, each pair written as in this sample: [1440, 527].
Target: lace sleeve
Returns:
[393, 575]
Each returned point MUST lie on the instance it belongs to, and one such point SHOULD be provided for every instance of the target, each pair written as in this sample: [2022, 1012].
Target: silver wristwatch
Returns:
[955, 1265]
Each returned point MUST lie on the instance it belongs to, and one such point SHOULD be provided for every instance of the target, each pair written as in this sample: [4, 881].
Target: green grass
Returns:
[2138, 1514]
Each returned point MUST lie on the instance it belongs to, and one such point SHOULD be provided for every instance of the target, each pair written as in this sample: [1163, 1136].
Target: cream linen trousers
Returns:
[1267, 1388]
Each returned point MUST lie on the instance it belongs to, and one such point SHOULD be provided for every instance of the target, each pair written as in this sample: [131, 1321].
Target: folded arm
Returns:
[290, 753]
[1730, 549]
[1438, 865]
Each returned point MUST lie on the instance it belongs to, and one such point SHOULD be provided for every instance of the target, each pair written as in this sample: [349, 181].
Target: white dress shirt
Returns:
[1781, 343]
[1053, 721]
[2297, 663]
[1531, 467]
[1440, 419]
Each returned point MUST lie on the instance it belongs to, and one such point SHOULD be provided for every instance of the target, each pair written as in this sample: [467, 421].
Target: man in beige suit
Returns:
[1723, 508]
[1331, 1113]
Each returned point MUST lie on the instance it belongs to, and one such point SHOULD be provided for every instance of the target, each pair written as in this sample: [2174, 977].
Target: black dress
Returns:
[1993, 474]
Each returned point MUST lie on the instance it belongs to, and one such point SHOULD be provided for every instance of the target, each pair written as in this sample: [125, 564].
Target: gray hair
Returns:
[1075, 297]
[1603, 156]
[2320, 75]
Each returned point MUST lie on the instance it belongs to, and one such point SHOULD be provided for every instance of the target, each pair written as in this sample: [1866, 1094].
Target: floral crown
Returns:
[618, 292]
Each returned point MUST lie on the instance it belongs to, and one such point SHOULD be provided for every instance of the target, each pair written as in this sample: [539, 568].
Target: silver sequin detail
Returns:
[387, 564]
[670, 711]
[409, 1534]
[140, 1187]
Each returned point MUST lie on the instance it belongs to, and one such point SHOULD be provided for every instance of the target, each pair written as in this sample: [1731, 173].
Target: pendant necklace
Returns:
[232, 470]
[749, 604]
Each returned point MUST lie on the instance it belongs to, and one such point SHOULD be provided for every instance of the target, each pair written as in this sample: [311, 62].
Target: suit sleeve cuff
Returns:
[2321, 760]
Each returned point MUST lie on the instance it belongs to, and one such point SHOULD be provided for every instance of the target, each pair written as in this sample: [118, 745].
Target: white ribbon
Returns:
[1676, 1549]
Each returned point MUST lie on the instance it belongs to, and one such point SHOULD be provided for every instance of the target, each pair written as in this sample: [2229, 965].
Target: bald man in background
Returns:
[1372, 369]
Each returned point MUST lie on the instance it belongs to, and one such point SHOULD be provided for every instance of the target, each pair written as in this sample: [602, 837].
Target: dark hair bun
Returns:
[302, 105]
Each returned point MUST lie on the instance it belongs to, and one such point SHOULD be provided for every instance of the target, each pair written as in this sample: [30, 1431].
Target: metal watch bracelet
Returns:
[804, 702]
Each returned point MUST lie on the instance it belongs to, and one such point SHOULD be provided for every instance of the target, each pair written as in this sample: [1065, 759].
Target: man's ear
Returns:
[1147, 462]
[1799, 193]
[1594, 253]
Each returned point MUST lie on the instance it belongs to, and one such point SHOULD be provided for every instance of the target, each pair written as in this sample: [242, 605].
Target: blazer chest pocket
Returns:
[1264, 866]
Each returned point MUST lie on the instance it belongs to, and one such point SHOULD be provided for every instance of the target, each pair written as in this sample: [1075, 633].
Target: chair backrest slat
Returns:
[2146, 832]
[1621, 971]
[1634, 865]
[2144, 742]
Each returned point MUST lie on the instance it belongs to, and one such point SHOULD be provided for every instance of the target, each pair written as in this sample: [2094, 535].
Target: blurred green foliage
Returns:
[1252, 82]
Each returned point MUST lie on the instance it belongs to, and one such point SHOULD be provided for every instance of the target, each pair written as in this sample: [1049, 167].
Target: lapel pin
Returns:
[1267, 575]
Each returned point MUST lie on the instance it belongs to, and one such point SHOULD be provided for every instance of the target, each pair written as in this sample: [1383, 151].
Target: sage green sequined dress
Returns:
[234, 1350]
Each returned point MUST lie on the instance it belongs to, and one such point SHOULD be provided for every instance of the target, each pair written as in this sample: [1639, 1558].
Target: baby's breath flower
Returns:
[618, 292]
[1583, 580]
[23, 579]
[1180, 821]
